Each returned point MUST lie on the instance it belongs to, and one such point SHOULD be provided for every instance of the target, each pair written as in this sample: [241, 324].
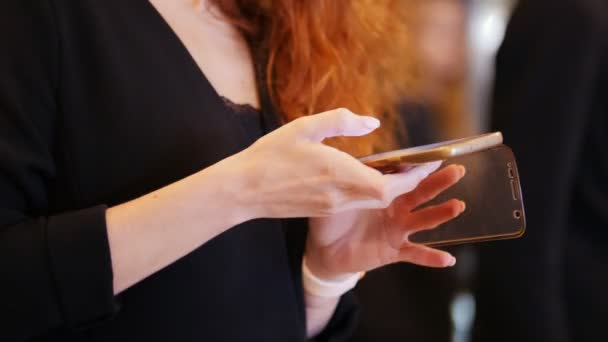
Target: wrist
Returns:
[322, 262]
[229, 182]
[202, 205]
[242, 182]
[317, 267]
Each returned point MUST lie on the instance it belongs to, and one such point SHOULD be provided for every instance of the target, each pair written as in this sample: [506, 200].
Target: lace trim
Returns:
[240, 108]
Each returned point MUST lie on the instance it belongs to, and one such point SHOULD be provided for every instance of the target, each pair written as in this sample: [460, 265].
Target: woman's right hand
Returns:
[291, 173]
[287, 173]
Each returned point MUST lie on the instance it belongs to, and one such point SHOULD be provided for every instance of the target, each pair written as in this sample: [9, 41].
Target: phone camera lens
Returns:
[517, 214]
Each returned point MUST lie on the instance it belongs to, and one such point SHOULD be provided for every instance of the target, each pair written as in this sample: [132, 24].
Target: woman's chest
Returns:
[135, 112]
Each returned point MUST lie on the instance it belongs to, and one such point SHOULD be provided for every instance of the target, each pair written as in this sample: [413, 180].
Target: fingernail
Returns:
[371, 122]
[463, 206]
[461, 171]
[452, 262]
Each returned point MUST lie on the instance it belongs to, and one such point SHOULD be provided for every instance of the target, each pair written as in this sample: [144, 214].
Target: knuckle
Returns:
[383, 194]
[379, 191]
[329, 203]
[329, 170]
[454, 174]
[453, 211]
[343, 114]
[299, 123]
[343, 111]
[452, 208]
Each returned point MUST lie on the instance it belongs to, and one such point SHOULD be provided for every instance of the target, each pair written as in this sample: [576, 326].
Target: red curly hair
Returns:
[324, 54]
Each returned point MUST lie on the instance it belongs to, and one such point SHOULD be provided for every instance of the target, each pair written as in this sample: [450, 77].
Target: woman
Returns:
[132, 204]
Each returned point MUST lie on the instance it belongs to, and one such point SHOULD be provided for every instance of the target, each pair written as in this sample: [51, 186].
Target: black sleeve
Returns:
[55, 270]
[342, 324]
[547, 69]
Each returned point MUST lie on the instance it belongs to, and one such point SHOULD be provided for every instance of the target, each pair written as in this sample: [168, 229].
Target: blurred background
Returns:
[456, 43]
[537, 70]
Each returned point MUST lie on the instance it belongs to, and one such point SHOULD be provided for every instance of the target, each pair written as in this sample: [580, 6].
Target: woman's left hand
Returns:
[363, 240]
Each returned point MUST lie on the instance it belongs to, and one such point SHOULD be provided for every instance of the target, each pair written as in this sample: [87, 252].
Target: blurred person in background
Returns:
[439, 35]
[432, 111]
[551, 102]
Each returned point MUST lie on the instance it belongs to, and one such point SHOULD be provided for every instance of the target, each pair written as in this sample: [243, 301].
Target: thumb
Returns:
[333, 123]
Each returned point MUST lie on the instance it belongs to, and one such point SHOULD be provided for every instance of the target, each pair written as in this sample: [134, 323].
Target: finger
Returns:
[348, 184]
[333, 123]
[432, 186]
[401, 183]
[354, 178]
[426, 256]
[372, 190]
[432, 216]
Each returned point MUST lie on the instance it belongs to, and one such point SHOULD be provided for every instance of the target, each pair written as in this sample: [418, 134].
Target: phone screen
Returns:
[492, 193]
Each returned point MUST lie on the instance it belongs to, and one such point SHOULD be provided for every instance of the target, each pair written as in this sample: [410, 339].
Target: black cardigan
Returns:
[101, 103]
[551, 101]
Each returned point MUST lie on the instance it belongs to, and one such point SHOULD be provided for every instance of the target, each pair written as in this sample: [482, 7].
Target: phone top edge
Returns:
[437, 151]
[479, 143]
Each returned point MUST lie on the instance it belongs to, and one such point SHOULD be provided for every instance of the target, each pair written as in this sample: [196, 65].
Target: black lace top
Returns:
[249, 117]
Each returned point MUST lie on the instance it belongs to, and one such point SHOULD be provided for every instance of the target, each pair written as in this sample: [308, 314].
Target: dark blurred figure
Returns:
[404, 302]
[551, 101]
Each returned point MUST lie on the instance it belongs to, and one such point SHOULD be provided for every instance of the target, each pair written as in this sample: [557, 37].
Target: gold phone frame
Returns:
[391, 161]
[486, 238]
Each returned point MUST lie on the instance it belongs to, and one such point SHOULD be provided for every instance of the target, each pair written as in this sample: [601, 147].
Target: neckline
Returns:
[240, 108]
[180, 47]
[268, 111]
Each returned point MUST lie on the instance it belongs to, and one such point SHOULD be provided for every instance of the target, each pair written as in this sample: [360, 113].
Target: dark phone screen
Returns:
[493, 197]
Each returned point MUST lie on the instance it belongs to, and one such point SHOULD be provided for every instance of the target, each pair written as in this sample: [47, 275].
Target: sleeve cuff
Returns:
[82, 266]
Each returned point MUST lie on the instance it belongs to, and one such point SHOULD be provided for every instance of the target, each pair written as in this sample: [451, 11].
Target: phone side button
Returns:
[513, 190]
[510, 170]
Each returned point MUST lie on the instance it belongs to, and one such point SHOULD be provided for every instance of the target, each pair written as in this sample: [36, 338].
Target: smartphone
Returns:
[400, 160]
[492, 192]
